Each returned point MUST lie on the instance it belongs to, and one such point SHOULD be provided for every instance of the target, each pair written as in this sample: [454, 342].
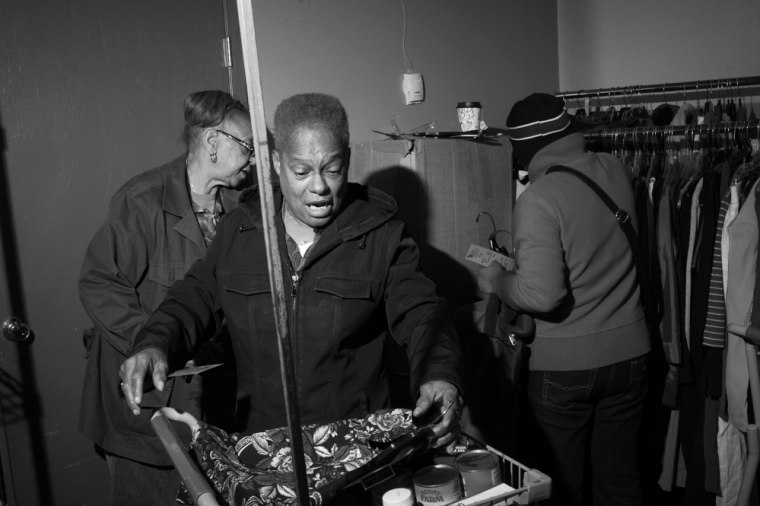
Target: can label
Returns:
[479, 470]
[437, 485]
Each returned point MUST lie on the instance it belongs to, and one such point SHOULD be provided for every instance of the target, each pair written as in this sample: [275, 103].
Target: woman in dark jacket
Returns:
[351, 274]
[159, 223]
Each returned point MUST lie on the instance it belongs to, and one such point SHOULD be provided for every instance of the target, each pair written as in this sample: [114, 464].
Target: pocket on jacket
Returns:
[345, 288]
[246, 300]
[246, 283]
[165, 275]
[88, 338]
[346, 305]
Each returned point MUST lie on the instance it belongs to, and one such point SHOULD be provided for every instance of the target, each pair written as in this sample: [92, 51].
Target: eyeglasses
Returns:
[245, 145]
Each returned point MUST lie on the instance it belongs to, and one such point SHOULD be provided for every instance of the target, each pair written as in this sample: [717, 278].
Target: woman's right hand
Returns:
[134, 370]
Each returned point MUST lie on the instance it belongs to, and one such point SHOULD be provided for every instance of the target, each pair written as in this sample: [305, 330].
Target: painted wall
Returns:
[353, 49]
[90, 94]
[606, 43]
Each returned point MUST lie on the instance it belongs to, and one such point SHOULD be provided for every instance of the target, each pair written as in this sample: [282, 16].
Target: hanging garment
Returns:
[725, 243]
[742, 260]
[732, 446]
[669, 324]
[694, 218]
[715, 321]
[732, 449]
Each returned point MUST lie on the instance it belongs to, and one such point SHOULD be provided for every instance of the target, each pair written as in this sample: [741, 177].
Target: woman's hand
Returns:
[134, 370]
[444, 397]
[489, 278]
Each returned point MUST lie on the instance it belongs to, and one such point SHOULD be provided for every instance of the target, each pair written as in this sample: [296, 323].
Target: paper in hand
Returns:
[485, 257]
[188, 371]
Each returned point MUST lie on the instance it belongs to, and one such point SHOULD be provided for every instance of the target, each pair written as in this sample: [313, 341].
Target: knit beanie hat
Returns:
[537, 121]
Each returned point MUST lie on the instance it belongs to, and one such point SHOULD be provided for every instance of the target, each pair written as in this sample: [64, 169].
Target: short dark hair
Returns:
[204, 109]
[309, 110]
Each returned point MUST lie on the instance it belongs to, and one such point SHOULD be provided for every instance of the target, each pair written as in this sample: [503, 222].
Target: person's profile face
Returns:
[234, 159]
[313, 175]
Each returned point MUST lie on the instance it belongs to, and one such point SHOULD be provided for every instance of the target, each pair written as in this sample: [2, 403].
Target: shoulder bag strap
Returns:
[621, 215]
[648, 301]
[492, 314]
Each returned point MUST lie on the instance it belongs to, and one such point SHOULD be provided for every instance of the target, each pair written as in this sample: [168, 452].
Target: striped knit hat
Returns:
[536, 121]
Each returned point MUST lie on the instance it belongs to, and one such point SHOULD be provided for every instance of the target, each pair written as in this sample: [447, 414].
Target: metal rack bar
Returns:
[684, 86]
[750, 128]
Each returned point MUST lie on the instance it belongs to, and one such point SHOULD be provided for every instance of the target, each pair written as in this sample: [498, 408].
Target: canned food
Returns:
[437, 485]
[479, 470]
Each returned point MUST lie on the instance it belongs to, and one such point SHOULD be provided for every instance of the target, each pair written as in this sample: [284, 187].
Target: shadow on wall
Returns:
[19, 398]
[453, 281]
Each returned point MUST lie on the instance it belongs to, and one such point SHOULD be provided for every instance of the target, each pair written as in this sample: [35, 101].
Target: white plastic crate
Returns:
[522, 485]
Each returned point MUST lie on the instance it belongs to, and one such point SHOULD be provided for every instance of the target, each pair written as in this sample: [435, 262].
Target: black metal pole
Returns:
[684, 86]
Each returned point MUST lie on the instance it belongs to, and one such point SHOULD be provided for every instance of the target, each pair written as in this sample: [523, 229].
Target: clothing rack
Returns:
[675, 176]
[749, 128]
[684, 86]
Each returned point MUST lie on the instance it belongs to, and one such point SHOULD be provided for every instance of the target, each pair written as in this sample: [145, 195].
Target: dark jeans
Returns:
[593, 413]
[131, 483]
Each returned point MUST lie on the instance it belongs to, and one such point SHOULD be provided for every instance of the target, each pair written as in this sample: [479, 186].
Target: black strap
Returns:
[621, 215]
[649, 300]
[492, 314]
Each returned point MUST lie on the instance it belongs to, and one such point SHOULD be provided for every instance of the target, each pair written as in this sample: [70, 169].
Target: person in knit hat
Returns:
[575, 273]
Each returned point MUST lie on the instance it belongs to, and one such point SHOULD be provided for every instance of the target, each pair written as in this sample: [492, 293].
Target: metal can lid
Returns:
[475, 460]
[435, 475]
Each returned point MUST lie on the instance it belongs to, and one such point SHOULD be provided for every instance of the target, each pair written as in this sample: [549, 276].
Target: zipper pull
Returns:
[294, 278]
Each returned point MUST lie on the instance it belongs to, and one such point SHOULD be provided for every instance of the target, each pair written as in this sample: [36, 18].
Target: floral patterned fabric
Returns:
[257, 469]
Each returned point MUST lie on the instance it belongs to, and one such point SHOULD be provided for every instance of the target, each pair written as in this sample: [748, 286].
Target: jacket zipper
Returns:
[295, 278]
[293, 291]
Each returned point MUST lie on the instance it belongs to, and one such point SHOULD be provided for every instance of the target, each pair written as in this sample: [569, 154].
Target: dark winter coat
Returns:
[360, 279]
[147, 242]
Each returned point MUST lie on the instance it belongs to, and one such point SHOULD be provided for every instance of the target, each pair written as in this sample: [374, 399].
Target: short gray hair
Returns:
[309, 110]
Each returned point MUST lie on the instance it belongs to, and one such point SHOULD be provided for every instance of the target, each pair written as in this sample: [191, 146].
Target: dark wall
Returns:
[91, 92]
[492, 51]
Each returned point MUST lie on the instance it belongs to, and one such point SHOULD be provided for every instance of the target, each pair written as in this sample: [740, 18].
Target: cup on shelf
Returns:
[468, 114]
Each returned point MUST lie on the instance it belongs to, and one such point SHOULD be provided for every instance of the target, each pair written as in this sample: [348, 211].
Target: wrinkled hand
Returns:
[444, 397]
[489, 277]
[134, 370]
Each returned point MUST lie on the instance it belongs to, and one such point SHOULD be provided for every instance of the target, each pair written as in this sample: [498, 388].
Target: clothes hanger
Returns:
[752, 116]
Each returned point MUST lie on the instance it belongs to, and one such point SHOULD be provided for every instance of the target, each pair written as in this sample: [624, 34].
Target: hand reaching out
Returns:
[442, 396]
[134, 370]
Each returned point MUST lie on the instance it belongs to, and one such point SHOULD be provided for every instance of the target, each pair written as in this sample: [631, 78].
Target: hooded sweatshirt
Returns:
[574, 269]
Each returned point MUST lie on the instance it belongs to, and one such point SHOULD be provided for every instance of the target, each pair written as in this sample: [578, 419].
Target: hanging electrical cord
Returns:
[409, 66]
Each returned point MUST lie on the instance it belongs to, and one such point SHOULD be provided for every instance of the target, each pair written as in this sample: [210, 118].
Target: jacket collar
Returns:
[364, 209]
[176, 201]
[563, 151]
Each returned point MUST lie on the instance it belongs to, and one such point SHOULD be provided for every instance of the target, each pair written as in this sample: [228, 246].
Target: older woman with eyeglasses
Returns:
[158, 224]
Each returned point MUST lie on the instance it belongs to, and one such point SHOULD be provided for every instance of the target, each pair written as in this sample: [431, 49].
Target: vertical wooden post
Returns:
[263, 171]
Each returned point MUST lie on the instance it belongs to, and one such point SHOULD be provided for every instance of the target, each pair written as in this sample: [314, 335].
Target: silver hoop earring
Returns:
[213, 157]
